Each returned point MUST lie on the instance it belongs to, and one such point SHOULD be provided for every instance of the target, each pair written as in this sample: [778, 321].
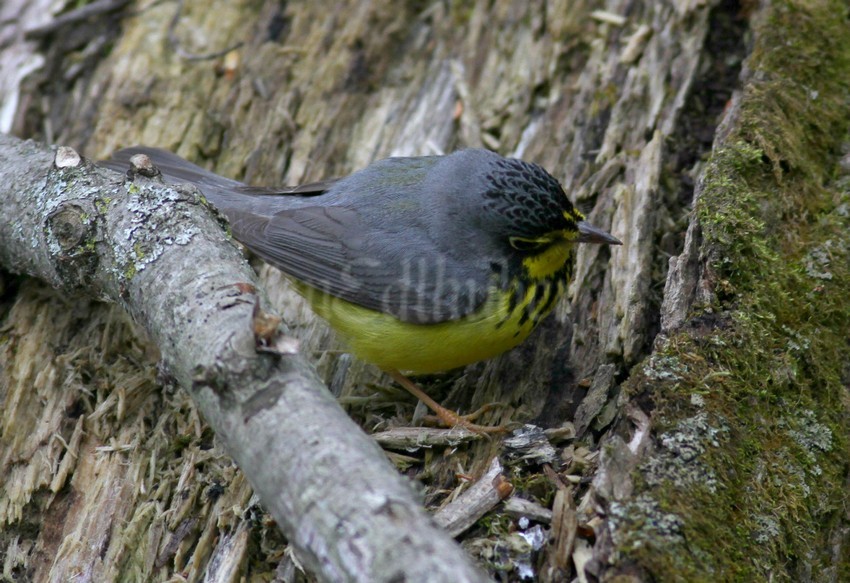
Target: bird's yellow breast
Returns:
[499, 325]
[549, 261]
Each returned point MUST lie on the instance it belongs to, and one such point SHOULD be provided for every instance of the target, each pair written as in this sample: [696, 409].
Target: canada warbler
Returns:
[421, 264]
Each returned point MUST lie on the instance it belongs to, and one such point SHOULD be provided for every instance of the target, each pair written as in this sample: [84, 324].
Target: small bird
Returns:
[421, 264]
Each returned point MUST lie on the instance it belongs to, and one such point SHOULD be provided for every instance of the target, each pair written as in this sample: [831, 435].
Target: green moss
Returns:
[750, 399]
[533, 486]
[496, 524]
[179, 443]
[102, 204]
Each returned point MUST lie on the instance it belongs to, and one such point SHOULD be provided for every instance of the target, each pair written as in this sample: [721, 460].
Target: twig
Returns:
[480, 498]
[410, 438]
[77, 15]
[174, 42]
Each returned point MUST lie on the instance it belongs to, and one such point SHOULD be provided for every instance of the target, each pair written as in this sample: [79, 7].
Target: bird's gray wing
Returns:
[331, 249]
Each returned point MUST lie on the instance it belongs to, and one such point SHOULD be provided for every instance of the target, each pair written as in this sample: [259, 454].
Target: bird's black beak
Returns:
[590, 234]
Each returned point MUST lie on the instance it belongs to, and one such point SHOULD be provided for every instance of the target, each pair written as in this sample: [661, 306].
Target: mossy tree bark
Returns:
[703, 409]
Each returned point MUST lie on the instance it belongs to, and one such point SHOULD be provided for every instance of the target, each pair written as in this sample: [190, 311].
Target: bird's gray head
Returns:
[519, 204]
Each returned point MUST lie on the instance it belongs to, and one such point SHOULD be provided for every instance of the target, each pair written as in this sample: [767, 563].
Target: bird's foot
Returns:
[446, 416]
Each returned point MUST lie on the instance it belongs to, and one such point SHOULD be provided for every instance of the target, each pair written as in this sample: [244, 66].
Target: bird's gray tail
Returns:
[225, 193]
[175, 170]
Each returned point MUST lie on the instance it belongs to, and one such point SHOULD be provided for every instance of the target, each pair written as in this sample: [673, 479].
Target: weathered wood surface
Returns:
[621, 106]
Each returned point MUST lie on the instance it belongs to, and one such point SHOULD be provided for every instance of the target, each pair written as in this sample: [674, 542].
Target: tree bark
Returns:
[693, 388]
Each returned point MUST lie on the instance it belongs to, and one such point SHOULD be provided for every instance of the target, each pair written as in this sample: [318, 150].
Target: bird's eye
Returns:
[527, 245]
